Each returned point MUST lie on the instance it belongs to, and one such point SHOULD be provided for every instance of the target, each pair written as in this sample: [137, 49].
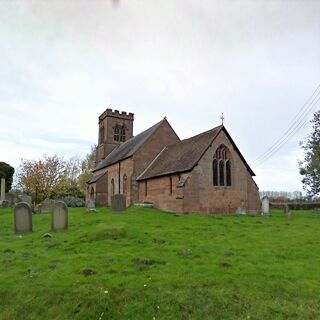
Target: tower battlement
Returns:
[117, 114]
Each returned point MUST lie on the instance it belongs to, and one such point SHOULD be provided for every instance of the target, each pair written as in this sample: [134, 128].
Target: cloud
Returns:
[64, 63]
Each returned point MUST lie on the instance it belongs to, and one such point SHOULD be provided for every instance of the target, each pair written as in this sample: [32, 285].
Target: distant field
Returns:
[147, 264]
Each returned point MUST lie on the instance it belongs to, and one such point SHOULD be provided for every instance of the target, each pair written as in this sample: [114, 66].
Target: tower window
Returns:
[101, 134]
[119, 133]
[123, 134]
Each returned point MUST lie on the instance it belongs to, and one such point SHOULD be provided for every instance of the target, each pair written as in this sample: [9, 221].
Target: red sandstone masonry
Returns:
[199, 194]
[162, 137]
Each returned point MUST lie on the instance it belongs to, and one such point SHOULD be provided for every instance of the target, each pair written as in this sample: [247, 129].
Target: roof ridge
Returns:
[202, 133]
[128, 148]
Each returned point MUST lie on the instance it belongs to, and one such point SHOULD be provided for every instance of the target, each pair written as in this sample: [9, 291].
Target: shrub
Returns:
[74, 202]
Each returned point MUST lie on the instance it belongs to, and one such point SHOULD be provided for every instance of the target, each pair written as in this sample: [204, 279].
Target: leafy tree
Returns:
[44, 177]
[310, 166]
[7, 172]
[87, 165]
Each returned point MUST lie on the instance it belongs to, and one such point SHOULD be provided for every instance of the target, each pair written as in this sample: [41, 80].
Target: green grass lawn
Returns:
[147, 264]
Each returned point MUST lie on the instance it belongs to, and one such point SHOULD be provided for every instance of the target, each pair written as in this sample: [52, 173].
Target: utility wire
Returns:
[294, 121]
[303, 121]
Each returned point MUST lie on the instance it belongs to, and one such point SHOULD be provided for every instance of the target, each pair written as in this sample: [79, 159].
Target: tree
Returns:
[42, 178]
[7, 172]
[87, 165]
[310, 165]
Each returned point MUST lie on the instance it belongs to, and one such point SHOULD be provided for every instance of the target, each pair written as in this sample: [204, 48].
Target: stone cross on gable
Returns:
[222, 118]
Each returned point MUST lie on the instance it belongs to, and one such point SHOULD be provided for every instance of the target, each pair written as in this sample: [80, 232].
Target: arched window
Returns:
[228, 173]
[122, 134]
[112, 187]
[92, 194]
[116, 133]
[221, 173]
[221, 167]
[124, 184]
[215, 172]
[101, 134]
[119, 133]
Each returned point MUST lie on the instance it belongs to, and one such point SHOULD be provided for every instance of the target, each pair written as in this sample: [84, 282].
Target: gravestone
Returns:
[22, 218]
[27, 199]
[241, 210]
[11, 198]
[5, 204]
[118, 203]
[286, 211]
[2, 191]
[91, 207]
[265, 206]
[59, 216]
[45, 206]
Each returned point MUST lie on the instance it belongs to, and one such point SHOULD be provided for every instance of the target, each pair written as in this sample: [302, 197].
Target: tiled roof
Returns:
[184, 155]
[128, 148]
[180, 157]
[95, 178]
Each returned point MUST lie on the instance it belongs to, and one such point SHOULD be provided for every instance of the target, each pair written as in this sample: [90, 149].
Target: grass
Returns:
[147, 264]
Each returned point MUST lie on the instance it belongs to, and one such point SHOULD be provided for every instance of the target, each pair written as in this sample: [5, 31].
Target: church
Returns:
[203, 174]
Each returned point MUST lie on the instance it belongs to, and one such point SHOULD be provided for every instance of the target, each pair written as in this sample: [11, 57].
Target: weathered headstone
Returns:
[286, 211]
[241, 210]
[91, 207]
[27, 199]
[118, 203]
[59, 216]
[5, 204]
[11, 198]
[265, 206]
[3, 191]
[45, 206]
[22, 218]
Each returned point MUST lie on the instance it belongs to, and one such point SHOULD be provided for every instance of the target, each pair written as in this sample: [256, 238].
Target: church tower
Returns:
[114, 128]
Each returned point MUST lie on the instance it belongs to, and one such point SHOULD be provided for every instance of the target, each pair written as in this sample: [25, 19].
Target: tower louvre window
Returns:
[122, 134]
[117, 133]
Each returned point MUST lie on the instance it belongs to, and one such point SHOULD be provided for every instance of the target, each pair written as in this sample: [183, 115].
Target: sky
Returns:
[64, 62]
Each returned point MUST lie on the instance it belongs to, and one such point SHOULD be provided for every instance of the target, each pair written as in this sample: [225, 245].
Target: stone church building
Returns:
[203, 174]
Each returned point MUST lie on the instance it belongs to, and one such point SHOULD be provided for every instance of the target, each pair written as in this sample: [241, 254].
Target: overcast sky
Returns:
[64, 62]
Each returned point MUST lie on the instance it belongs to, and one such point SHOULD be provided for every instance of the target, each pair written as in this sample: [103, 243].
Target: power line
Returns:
[303, 121]
[294, 121]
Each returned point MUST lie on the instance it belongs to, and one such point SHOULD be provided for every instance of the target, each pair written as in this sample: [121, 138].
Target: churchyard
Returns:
[148, 264]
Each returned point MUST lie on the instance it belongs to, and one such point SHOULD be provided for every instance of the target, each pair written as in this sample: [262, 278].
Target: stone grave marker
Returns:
[91, 207]
[45, 206]
[22, 218]
[11, 198]
[118, 203]
[59, 216]
[5, 204]
[2, 191]
[265, 206]
[27, 199]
